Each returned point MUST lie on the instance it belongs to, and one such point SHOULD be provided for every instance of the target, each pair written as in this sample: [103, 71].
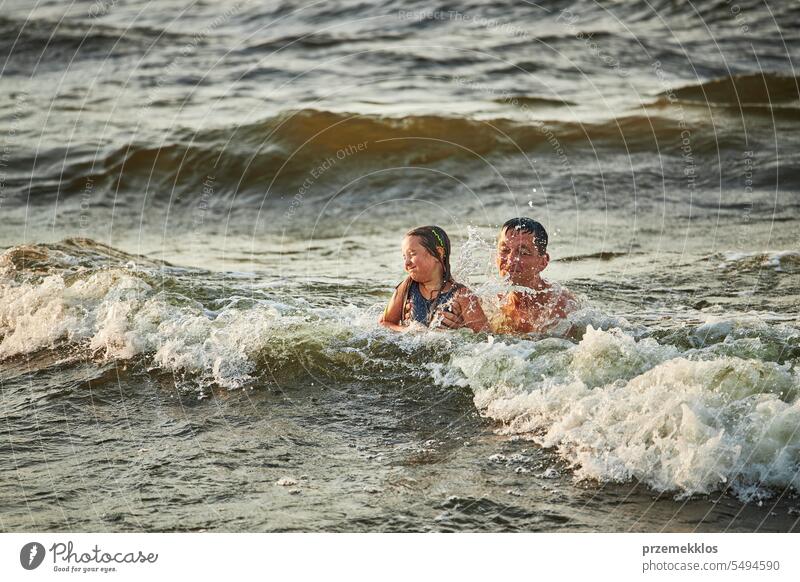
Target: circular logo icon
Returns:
[31, 555]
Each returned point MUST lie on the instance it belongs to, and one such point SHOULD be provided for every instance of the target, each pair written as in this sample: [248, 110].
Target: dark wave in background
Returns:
[114, 109]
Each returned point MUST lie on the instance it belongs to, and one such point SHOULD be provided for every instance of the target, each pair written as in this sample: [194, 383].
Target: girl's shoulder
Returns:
[403, 285]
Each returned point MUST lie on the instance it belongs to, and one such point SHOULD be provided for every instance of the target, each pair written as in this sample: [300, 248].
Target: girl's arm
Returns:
[393, 313]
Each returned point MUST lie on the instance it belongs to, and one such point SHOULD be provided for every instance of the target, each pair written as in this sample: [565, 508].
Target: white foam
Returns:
[118, 316]
[778, 260]
[115, 314]
[36, 315]
[618, 409]
[617, 405]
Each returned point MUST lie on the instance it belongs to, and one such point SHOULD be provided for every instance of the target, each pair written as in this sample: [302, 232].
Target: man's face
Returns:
[518, 259]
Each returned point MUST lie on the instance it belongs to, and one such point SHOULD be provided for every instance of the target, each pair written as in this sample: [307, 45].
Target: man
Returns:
[534, 305]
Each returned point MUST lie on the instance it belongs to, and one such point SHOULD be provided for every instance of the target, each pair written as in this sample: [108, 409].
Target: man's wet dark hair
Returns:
[431, 237]
[524, 224]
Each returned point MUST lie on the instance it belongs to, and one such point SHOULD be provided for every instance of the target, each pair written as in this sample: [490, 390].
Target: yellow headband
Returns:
[436, 234]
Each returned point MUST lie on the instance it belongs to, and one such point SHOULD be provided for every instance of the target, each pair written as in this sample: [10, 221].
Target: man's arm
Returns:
[474, 317]
[565, 304]
[467, 312]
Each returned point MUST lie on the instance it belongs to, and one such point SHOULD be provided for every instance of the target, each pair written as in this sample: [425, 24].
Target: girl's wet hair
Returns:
[433, 237]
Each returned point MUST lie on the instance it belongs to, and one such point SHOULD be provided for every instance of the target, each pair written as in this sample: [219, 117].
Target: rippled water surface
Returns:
[202, 207]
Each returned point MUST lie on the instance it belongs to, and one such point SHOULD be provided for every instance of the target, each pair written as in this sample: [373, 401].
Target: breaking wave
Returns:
[703, 408]
[620, 409]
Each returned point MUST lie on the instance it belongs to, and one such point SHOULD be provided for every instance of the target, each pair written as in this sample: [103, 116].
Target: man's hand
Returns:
[452, 319]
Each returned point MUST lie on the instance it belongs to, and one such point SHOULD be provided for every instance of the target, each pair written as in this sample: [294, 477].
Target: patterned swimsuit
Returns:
[423, 310]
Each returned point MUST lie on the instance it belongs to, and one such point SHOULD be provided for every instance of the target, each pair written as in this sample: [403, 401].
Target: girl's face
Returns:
[418, 262]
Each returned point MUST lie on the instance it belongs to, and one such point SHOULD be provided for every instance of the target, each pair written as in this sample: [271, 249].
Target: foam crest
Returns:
[746, 336]
[604, 357]
[37, 315]
[778, 261]
[114, 314]
[621, 409]
[117, 314]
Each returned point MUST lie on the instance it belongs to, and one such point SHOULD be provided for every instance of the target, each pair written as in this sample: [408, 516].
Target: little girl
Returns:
[429, 288]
